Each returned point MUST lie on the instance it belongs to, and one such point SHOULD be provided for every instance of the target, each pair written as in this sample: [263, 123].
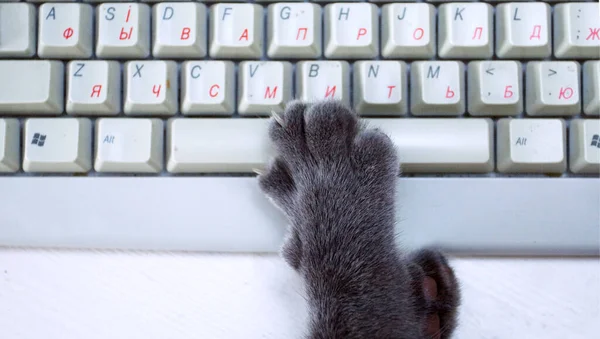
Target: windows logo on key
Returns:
[38, 139]
[596, 140]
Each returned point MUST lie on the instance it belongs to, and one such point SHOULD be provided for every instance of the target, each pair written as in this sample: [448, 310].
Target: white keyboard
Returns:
[136, 125]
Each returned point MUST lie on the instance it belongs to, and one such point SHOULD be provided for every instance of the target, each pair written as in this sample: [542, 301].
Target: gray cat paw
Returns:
[324, 140]
[323, 149]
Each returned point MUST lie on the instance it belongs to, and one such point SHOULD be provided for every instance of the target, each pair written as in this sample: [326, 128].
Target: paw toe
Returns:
[278, 184]
[330, 129]
[292, 249]
[374, 149]
[440, 289]
[287, 132]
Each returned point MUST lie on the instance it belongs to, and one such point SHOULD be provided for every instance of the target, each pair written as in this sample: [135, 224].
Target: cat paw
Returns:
[438, 291]
[328, 163]
[325, 143]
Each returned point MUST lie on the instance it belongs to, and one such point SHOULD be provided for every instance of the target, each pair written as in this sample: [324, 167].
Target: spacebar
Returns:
[505, 216]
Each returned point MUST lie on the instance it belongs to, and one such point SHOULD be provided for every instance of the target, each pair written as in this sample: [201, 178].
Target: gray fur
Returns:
[335, 180]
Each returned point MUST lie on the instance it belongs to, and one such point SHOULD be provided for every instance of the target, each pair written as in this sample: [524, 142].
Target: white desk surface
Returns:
[114, 295]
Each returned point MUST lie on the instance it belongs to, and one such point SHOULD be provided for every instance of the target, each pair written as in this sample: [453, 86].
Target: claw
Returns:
[277, 117]
[257, 171]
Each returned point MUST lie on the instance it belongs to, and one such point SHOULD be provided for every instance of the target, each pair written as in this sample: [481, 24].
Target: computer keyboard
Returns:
[137, 125]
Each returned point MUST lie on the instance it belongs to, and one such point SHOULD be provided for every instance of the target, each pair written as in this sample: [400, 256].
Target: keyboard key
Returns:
[577, 30]
[465, 30]
[351, 31]
[264, 86]
[294, 30]
[217, 145]
[123, 30]
[65, 30]
[591, 87]
[437, 88]
[408, 31]
[10, 145]
[94, 87]
[523, 30]
[36, 87]
[151, 88]
[129, 145]
[441, 145]
[57, 145]
[495, 88]
[17, 30]
[380, 88]
[553, 88]
[236, 31]
[179, 30]
[316, 80]
[584, 146]
[208, 88]
[531, 146]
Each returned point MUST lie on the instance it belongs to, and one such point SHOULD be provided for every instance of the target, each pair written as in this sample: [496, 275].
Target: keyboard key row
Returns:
[209, 145]
[294, 30]
[437, 88]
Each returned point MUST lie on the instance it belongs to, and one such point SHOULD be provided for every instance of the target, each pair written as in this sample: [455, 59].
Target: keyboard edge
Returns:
[475, 216]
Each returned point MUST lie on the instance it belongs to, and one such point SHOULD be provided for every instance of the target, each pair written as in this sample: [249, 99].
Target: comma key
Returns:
[34, 87]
